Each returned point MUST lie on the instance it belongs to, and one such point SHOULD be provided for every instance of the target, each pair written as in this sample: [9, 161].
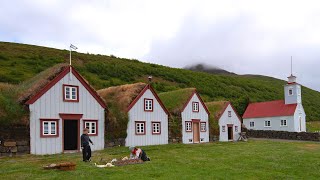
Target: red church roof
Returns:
[269, 109]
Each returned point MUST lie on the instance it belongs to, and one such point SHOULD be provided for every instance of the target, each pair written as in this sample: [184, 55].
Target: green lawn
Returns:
[252, 160]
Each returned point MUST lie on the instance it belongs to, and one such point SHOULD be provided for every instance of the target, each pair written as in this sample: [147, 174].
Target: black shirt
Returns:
[85, 139]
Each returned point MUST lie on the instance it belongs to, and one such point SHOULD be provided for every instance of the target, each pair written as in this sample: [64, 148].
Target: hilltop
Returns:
[20, 62]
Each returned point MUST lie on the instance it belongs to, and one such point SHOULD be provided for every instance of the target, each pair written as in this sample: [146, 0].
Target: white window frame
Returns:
[156, 127]
[223, 128]
[70, 89]
[251, 124]
[195, 106]
[188, 126]
[291, 92]
[92, 131]
[148, 104]
[50, 123]
[283, 122]
[140, 126]
[229, 113]
[203, 126]
[267, 123]
[236, 128]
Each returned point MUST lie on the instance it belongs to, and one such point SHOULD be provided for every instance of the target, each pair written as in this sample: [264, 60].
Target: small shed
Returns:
[187, 105]
[61, 104]
[136, 114]
[226, 118]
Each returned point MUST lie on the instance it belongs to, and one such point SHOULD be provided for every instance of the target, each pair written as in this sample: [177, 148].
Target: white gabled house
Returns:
[194, 114]
[195, 124]
[229, 123]
[60, 107]
[147, 122]
[280, 115]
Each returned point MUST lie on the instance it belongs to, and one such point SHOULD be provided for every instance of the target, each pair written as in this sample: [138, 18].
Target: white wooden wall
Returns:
[188, 115]
[137, 113]
[275, 123]
[51, 104]
[225, 120]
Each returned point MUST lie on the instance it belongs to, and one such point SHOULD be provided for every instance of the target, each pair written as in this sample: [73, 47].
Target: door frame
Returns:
[71, 117]
[228, 126]
[198, 122]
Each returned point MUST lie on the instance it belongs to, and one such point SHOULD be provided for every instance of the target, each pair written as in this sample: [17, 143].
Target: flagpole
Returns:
[70, 63]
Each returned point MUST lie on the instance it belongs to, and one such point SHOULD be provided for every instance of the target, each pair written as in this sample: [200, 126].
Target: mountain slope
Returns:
[19, 62]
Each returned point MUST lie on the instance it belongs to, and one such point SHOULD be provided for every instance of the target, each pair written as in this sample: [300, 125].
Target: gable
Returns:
[229, 107]
[154, 94]
[195, 95]
[58, 78]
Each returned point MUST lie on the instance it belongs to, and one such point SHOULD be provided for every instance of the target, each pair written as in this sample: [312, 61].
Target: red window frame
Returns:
[144, 129]
[63, 93]
[193, 107]
[42, 120]
[156, 122]
[144, 105]
[205, 126]
[91, 120]
[190, 126]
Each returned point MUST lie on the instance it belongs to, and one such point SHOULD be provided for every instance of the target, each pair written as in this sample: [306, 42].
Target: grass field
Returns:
[256, 159]
[313, 126]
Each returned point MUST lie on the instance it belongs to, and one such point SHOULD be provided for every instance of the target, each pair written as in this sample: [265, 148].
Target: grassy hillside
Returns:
[20, 62]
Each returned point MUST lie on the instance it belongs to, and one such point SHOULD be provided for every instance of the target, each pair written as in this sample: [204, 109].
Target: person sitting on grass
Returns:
[137, 153]
[85, 146]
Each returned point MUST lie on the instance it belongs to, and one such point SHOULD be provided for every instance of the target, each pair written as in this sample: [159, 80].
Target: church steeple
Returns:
[292, 90]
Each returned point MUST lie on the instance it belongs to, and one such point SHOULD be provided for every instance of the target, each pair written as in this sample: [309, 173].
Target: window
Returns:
[148, 104]
[290, 92]
[195, 107]
[70, 93]
[140, 128]
[156, 128]
[188, 126]
[251, 124]
[283, 122]
[202, 139]
[49, 128]
[190, 140]
[229, 113]
[267, 124]
[92, 125]
[223, 128]
[203, 126]
[236, 128]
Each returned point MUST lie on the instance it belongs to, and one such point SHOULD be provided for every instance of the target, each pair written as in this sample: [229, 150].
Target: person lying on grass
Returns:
[85, 146]
[137, 153]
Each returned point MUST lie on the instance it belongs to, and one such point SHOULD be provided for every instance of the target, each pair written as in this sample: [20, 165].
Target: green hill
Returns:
[19, 62]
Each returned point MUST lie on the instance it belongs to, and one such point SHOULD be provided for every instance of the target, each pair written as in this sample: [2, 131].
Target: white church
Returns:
[280, 115]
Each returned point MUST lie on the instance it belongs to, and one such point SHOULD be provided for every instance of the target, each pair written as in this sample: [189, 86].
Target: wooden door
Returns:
[230, 133]
[196, 132]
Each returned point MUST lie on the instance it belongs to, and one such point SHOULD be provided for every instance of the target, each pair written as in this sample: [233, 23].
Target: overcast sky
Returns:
[245, 37]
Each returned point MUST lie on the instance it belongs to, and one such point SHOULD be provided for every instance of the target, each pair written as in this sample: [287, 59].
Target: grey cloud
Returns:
[238, 45]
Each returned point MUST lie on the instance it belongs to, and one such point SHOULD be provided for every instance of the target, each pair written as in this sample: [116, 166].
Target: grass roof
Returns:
[175, 100]
[122, 96]
[29, 88]
[215, 108]
[118, 99]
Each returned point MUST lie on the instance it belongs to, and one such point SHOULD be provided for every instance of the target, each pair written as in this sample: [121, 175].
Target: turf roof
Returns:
[32, 86]
[118, 99]
[122, 96]
[175, 100]
[216, 109]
